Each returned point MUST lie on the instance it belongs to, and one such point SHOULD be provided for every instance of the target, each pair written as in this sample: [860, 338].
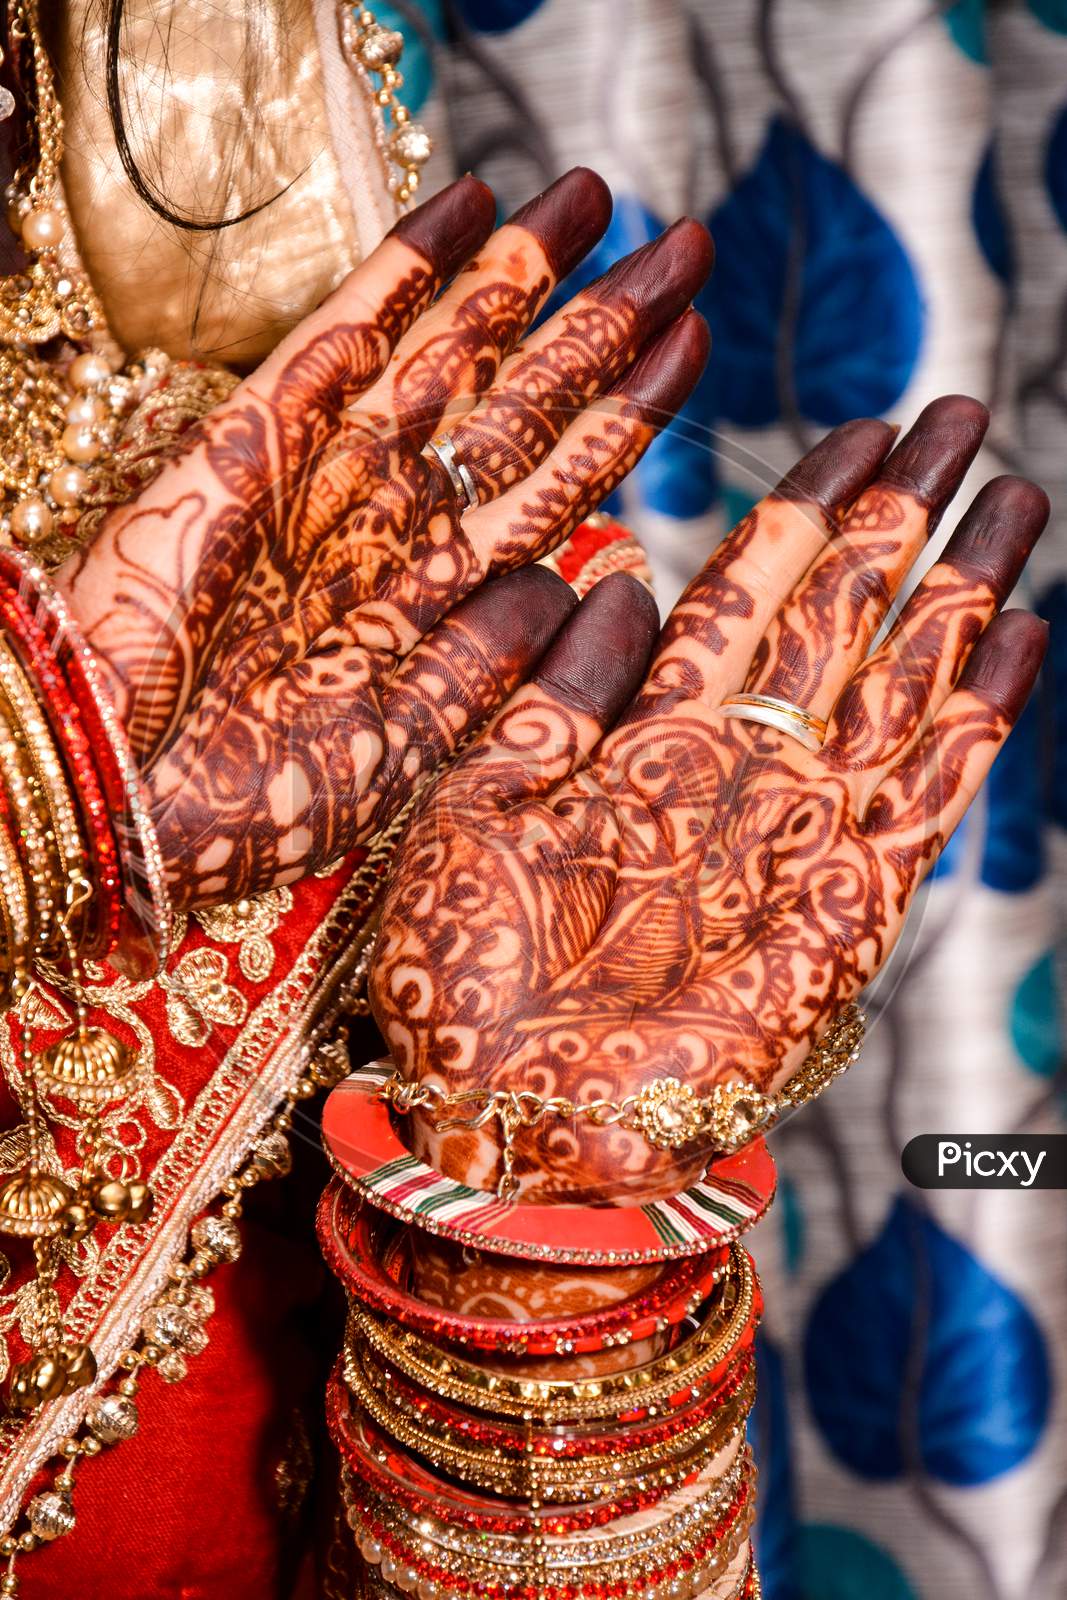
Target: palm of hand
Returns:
[700, 899]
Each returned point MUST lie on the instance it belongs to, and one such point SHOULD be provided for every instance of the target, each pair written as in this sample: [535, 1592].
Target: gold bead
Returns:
[30, 1203]
[110, 1199]
[67, 485]
[80, 443]
[8, 1545]
[88, 370]
[31, 520]
[79, 1365]
[42, 229]
[9, 1583]
[28, 1542]
[91, 1446]
[76, 1221]
[403, 194]
[141, 1202]
[37, 1381]
[88, 1066]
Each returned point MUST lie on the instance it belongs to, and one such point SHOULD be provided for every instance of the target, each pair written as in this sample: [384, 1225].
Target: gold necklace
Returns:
[63, 400]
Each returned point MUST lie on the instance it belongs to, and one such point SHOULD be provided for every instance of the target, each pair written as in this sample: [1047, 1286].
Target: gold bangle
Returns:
[583, 1399]
[562, 1480]
[546, 1562]
[47, 763]
[26, 813]
[16, 902]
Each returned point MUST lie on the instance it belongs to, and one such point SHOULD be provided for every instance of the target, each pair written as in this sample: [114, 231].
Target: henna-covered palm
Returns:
[577, 912]
[295, 616]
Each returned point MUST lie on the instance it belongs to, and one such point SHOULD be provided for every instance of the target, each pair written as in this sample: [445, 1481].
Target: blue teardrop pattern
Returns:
[792, 1223]
[417, 60]
[858, 326]
[965, 22]
[916, 1340]
[774, 1535]
[989, 219]
[496, 16]
[1056, 167]
[841, 1564]
[1036, 1018]
[1052, 13]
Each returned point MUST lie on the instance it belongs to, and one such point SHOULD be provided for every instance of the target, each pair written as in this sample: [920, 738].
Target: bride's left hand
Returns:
[579, 912]
[298, 617]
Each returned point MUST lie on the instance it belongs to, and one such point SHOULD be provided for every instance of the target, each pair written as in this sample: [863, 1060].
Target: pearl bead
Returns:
[80, 443]
[428, 1590]
[388, 1568]
[41, 229]
[85, 408]
[67, 485]
[31, 520]
[371, 1551]
[88, 370]
[407, 1579]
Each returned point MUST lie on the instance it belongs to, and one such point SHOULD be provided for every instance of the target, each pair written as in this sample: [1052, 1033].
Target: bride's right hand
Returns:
[297, 618]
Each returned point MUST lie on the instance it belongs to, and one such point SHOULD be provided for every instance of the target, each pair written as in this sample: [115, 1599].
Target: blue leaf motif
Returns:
[1053, 13]
[768, 1431]
[854, 339]
[839, 1564]
[989, 220]
[915, 1339]
[1036, 1020]
[417, 61]
[496, 16]
[1056, 167]
[965, 21]
[1013, 858]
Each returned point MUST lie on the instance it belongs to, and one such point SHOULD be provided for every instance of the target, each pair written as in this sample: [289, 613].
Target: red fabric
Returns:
[188, 1508]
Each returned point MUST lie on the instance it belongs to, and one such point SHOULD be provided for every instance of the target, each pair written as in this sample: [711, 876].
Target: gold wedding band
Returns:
[782, 715]
[459, 475]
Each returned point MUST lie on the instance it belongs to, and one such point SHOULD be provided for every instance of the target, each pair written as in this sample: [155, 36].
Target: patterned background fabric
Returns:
[887, 185]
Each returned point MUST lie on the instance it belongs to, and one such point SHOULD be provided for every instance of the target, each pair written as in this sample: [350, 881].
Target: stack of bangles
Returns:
[580, 1457]
[81, 878]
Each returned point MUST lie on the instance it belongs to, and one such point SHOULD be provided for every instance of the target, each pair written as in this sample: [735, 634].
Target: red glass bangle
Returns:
[396, 1475]
[65, 718]
[354, 1237]
[366, 1150]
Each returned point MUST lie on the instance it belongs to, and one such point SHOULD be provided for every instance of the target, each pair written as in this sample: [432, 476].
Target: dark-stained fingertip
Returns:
[661, 278]
[1004, 664]
[449, 228]
[668, 369]
[599, 659]
[931, 459]
[568, 218]
[840, 465]
[998, 531]
[527, 606]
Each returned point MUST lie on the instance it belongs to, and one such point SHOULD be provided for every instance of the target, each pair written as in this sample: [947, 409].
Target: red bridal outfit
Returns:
[163, 1352]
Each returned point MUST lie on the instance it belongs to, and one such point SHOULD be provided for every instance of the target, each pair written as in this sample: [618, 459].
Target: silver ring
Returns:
[459, 476]
[782, 715]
